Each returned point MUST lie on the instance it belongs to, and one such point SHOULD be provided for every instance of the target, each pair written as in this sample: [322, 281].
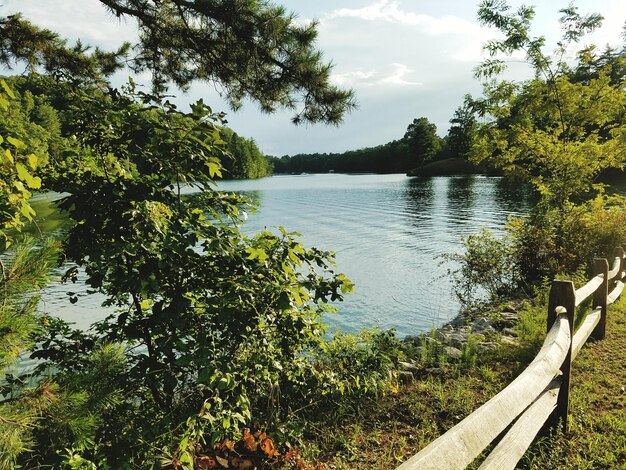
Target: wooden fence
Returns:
[540, 394]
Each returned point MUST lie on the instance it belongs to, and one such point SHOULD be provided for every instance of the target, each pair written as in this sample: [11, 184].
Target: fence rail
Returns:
[540, 394]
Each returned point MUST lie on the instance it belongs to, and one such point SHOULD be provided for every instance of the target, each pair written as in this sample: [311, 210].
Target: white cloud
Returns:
[397, 77]
[461, 39]
[394, 75]
[390, 11]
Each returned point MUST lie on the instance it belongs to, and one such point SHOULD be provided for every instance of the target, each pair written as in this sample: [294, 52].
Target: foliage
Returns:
[462, 131]
[45, 116]
[211, 326]
[251, 450]
[558, 131]
[197, 300]
[251, 49]
[551, 241]
[361, 363]
[553, 131]
[486, 270]
[540, 246]
[419, 144]
[244, 159]
[16, 178]
[24, 270]
[387, 158]
[422, 141]
[23, 42]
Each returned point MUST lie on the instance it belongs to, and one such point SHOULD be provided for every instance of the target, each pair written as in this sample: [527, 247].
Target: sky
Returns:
[403, 58]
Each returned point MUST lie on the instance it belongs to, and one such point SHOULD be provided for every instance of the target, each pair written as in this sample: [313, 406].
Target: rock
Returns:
[509, 318]
[456, 339]
[405, 376]
[434, 371]
[453, 353]
[458, 321]
[509, 309]
[482, 325]
[508, 340]
[431, 340]
[486, 345]
[509, 332]
[407, 366]
[413, 339]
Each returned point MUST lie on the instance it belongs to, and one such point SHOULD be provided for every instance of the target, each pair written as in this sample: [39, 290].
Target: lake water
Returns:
[388, 233]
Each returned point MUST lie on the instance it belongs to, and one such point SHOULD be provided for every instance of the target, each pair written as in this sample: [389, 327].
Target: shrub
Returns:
[485, 271]
[547, 243]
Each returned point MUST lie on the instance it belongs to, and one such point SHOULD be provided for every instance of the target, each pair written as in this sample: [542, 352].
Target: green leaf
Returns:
[7, 89]
[22, 172]
[257, 253]
[33, 160]
[17, 143]
[226, 422]
[9, 156]
[214, 169]
[27, 211]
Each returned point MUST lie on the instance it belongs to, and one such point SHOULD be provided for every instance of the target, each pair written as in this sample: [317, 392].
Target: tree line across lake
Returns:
[420, 144]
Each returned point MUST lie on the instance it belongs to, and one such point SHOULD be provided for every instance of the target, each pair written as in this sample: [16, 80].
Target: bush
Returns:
[547, 243]
[486, 270]
[562, 241]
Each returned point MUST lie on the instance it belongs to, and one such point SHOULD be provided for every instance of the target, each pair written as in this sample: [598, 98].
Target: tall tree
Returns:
[24, 267]
[212, 322]
[462, 130]
[552, 130]
[422, 141]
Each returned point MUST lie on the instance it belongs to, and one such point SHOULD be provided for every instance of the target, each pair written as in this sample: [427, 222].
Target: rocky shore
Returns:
[458, 341]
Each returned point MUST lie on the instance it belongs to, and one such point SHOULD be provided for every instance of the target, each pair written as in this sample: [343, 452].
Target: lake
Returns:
[388, 233]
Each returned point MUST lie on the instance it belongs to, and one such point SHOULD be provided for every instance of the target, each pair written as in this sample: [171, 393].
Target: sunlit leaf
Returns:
[7, 89]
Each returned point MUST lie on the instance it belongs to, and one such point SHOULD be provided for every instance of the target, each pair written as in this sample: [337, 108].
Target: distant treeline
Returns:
[419, 145]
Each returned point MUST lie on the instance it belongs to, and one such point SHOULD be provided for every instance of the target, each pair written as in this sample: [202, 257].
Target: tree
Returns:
[557, 131]
[422, 141]
[21, 41]
[553, 131]
[244, 159]
[24, 269]
[462, 130]
[210, 324]
[251, 49]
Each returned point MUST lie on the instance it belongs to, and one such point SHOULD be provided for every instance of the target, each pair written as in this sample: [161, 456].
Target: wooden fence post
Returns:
[601, 266]
[619, 253]
[563, 294]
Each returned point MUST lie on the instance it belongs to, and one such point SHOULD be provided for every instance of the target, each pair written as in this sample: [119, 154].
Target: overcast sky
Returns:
[404, 59]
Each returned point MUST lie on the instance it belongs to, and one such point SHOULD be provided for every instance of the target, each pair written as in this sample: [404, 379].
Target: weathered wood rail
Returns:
[540, 394]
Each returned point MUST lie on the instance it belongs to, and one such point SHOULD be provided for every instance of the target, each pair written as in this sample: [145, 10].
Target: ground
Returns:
[384, 432]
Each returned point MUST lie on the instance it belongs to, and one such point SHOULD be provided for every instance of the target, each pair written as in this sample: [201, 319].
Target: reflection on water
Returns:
[388, 232]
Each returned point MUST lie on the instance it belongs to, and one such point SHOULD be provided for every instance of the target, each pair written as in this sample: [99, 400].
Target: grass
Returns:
[386, 431]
